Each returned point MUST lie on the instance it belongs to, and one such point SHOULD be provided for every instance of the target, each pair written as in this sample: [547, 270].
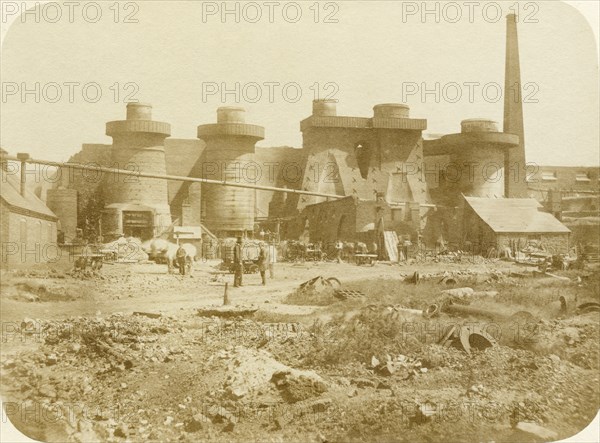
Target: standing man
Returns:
[238, 263]
[400, 247]
[420, 242]
[338, 250]
[181, 257]
[263, 262]
[407, 245]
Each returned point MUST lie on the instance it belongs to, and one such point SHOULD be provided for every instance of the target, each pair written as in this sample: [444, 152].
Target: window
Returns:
[23, 230]
[549, 176]
[363, 158]
[38, 231]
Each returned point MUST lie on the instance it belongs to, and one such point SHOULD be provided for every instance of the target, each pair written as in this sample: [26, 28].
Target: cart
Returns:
[314, 253]
[84, 262]
[250, 251]
[365, 259]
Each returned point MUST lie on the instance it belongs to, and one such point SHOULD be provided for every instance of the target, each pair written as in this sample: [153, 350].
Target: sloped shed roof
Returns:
[10, 193]
[515, 215]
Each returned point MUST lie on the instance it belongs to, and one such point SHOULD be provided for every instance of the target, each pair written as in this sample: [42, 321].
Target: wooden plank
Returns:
[391, 245]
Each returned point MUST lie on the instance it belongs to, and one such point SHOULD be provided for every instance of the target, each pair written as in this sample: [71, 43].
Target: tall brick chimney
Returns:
[23, 157]
[515, 181]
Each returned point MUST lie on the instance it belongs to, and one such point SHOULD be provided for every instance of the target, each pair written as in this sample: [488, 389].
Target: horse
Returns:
[161, 250]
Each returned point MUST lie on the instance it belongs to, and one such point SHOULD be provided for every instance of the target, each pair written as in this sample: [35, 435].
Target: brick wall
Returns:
[329, 221]
[26, 240]
[555, 243]
[476, 236]
[63, 202]
[387, 162]
[349, 219]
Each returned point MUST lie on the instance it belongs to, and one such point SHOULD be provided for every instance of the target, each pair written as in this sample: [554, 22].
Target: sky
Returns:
[180, 55]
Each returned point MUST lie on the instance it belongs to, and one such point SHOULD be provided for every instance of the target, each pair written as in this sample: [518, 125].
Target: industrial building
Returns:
[28, 227]
[363, 177]
[392, 179]
[511, 223]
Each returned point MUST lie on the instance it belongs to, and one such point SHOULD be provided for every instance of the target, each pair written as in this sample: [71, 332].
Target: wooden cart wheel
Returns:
[333, 282]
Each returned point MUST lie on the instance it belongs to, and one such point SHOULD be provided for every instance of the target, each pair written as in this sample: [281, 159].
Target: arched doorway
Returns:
[362, 151]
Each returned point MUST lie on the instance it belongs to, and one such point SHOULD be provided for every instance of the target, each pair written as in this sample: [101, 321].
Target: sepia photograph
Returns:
[300, 221]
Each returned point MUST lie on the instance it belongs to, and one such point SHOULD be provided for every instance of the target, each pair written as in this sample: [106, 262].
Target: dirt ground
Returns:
[126, 355]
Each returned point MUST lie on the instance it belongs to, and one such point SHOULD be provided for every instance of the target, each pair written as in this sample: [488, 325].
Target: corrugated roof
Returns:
[515, 215]
[10, 193]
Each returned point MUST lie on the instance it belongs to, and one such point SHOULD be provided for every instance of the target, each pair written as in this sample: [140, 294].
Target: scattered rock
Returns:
[250, 369]
[384, 385]
[221, 415]
[29, 326]
[281, 421]
[387, 369]
[51, 359]
[295, 385]
[196, 423]
[363, 382]
[459, 292]
[148, 314]
[122, 431]
[47, 391]
[537, 430]
[320, 405]
[570, 335]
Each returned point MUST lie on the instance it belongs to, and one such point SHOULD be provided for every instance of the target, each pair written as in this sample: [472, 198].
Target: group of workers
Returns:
[404, 247]
[344, 250]
[263, 263]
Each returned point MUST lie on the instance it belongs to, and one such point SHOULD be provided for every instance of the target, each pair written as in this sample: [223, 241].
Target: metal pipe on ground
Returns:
[469, 310]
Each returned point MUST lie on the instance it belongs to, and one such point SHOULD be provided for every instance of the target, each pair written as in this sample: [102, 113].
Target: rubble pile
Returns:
[318, 291]
[381, 364]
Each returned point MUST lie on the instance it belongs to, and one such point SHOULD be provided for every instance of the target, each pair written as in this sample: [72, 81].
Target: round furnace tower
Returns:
[229, 156]
[477, 156]
[137, 206]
